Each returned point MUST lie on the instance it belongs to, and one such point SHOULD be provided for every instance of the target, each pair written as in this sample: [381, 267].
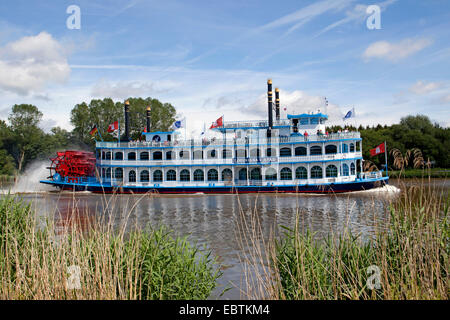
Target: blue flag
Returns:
[350, 114]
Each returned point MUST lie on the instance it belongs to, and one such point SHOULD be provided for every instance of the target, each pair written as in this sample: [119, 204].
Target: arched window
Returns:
[157, 155]
[132, 176]
[103, 155]
[301, 173]
[345, 148]
[255, 153]
[184, 154]
[132, 156]
[170, 155]
[212, 154]
[255, 174]
[213, 175]
[241, 153]
[199, 175]
[316, 172]
[198, 154]
[345, 171]
[352, 147]
[243, 174]
[145, 176]
[352, 169]
[143, 155]
[108, 173]
[108, 155]
[171, 175]
[300, 151]
[185, 175]
[227, 175]
[285, 152]
[330, 149]
[315, 150]
[103, 172]
[331, 171]
[118, 173]
[158, 176]
[270, 152]
[118, 156]
[286, 174]
[226, 154]
[271, 174]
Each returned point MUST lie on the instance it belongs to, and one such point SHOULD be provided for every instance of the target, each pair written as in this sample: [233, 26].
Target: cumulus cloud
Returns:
[421, 87]
[30, 63]
[296, 102]
[395, 51]
[125, 89]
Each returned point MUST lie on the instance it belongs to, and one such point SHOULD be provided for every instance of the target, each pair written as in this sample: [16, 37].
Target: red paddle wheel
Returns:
[73, 164]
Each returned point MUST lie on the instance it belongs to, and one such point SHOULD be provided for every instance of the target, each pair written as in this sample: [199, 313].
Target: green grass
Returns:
[419, 173]
[139, 264]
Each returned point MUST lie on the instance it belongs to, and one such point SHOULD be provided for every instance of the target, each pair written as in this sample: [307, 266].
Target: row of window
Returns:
[316, 172]
[227, 154]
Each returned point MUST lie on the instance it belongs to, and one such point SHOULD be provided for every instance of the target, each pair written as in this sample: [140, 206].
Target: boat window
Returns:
[345, 171]
[132, 156]
[331, 171]
[255, 174]
[304, 121]
[301, 173]
[145, 176]
[315, 150]
[300, 151]
[171, 175]
[286, 174]
[185, 175]
[243, 174]
[271, 174]
[144, 156]
[344, 148]
[157, 176]
[316, 172]
[103, 155]
[227, 175]
[170, 155]
[199, 175]
[213, 175]
[285, 152]
[157, 155]
[118, 173]
[352, 147]
[330, 149]
[270, 152]
[132, 176]
[108, 156]
[118, 156]
[314, 120]
[352, 169]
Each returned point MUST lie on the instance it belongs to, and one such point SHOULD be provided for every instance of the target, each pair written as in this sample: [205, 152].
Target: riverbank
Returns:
[420, 173]
[92, 259]
[409, 259]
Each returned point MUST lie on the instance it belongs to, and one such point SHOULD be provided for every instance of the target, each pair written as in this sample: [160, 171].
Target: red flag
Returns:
[377, 150]
[217, 123]
[113, 126]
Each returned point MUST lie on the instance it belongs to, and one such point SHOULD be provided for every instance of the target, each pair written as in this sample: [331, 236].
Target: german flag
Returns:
[93, 131]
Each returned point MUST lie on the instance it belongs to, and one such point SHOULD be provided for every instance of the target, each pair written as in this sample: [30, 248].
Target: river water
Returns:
[213, 220]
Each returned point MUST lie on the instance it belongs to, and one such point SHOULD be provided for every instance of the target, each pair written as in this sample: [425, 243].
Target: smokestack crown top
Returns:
[277, 90]
[127, 103]
[269, 81]
[149, 108]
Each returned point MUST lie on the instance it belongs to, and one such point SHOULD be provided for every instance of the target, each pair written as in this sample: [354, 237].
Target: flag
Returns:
[179, 124]
[93, 131]
[350, 114]
[113, 126]
[217, 123]
[377, 150]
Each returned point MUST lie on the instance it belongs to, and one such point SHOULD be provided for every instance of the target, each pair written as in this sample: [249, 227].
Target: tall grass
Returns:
[39, 260]
[411, 256]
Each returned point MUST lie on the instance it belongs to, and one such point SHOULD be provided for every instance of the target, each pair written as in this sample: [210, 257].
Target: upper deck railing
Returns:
[230, 142]
[254, 124]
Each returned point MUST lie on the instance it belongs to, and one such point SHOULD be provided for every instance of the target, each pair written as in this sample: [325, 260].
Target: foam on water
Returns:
[28, 182]
[385, 189]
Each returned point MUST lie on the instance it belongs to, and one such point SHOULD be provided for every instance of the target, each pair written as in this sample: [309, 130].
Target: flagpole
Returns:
[385, 157]
[118, 128]
[98, 130]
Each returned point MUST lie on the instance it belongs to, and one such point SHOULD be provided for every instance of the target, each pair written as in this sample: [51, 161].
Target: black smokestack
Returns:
[127, 121]
[277, 103]
[148, 118]
[269, 110]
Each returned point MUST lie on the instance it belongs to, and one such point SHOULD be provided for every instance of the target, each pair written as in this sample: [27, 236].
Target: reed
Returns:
[410, 255]
[96, 259]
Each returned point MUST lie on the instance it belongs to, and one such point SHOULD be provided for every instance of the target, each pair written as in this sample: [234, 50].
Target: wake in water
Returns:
[386, 189]
[28, 182]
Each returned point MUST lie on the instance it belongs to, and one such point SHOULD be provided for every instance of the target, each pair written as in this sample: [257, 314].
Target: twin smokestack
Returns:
[127, 120]
[270, 106]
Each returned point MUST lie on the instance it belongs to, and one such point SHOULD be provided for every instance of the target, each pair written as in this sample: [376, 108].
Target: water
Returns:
[212, 220]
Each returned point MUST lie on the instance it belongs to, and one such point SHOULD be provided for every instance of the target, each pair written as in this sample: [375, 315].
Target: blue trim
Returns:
[305, 115]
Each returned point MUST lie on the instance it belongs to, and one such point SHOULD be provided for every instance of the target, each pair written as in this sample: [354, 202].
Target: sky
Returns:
[211, 58]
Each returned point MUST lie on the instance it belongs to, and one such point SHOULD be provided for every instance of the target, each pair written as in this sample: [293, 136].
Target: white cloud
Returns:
[30, 63]
[421, 87]
[395, 51]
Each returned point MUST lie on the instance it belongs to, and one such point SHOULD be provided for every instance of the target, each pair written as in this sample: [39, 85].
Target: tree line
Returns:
[23, 141]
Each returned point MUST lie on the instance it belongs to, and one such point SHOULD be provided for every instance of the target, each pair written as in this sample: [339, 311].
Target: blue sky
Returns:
[213, 58]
